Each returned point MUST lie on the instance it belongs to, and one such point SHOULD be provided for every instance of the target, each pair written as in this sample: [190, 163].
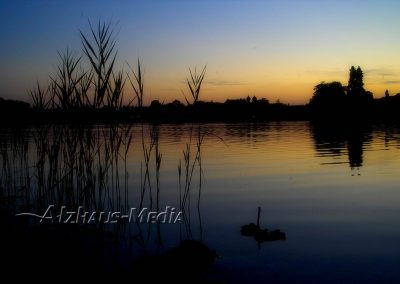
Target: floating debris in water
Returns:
[259, 234]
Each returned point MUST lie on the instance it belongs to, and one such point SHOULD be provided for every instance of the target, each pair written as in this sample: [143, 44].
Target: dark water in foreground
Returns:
[334, 192]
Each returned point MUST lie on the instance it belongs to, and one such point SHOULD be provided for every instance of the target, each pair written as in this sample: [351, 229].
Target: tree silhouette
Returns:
[328, 98]
[355, 88]
[326, 94]
[356, 84]
[359, 100]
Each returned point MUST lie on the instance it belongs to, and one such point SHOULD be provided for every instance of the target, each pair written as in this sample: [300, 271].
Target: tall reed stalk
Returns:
[100, 50]
[194, 83]
[115, 93]
[137, 84]
[186, 171]
[39, 97]
[66, 80]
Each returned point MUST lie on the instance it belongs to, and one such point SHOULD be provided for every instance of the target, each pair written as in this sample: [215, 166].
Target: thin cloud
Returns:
[332, 72]
[391, 82]
[382, 72]
[224, 83]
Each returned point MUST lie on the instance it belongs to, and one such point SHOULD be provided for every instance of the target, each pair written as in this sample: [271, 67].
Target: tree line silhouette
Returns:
[331, 101]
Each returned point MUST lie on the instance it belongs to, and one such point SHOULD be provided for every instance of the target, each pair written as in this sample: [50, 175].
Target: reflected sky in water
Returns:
[333, 191]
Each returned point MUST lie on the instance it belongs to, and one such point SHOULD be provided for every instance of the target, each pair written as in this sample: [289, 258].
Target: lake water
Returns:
[333, 191]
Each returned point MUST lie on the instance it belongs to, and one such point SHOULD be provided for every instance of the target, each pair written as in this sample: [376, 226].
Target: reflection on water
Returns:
[332, 190]
[334, 141]
[56, 176]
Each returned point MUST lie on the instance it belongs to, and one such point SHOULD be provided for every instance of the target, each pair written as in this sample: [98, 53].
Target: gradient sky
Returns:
[274, 49]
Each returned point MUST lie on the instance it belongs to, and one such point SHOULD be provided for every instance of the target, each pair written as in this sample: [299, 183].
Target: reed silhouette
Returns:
[194, 84]
[96, 93]
[191, 256]
[87, 166]
[63, 166]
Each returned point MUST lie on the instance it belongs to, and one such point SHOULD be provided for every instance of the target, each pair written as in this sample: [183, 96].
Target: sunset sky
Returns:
[273, 49]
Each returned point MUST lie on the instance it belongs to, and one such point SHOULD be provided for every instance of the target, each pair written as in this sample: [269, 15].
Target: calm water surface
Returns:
[334, 192]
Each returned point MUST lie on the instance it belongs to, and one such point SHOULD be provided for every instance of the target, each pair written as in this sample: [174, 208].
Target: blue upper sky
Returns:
[274, 49]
